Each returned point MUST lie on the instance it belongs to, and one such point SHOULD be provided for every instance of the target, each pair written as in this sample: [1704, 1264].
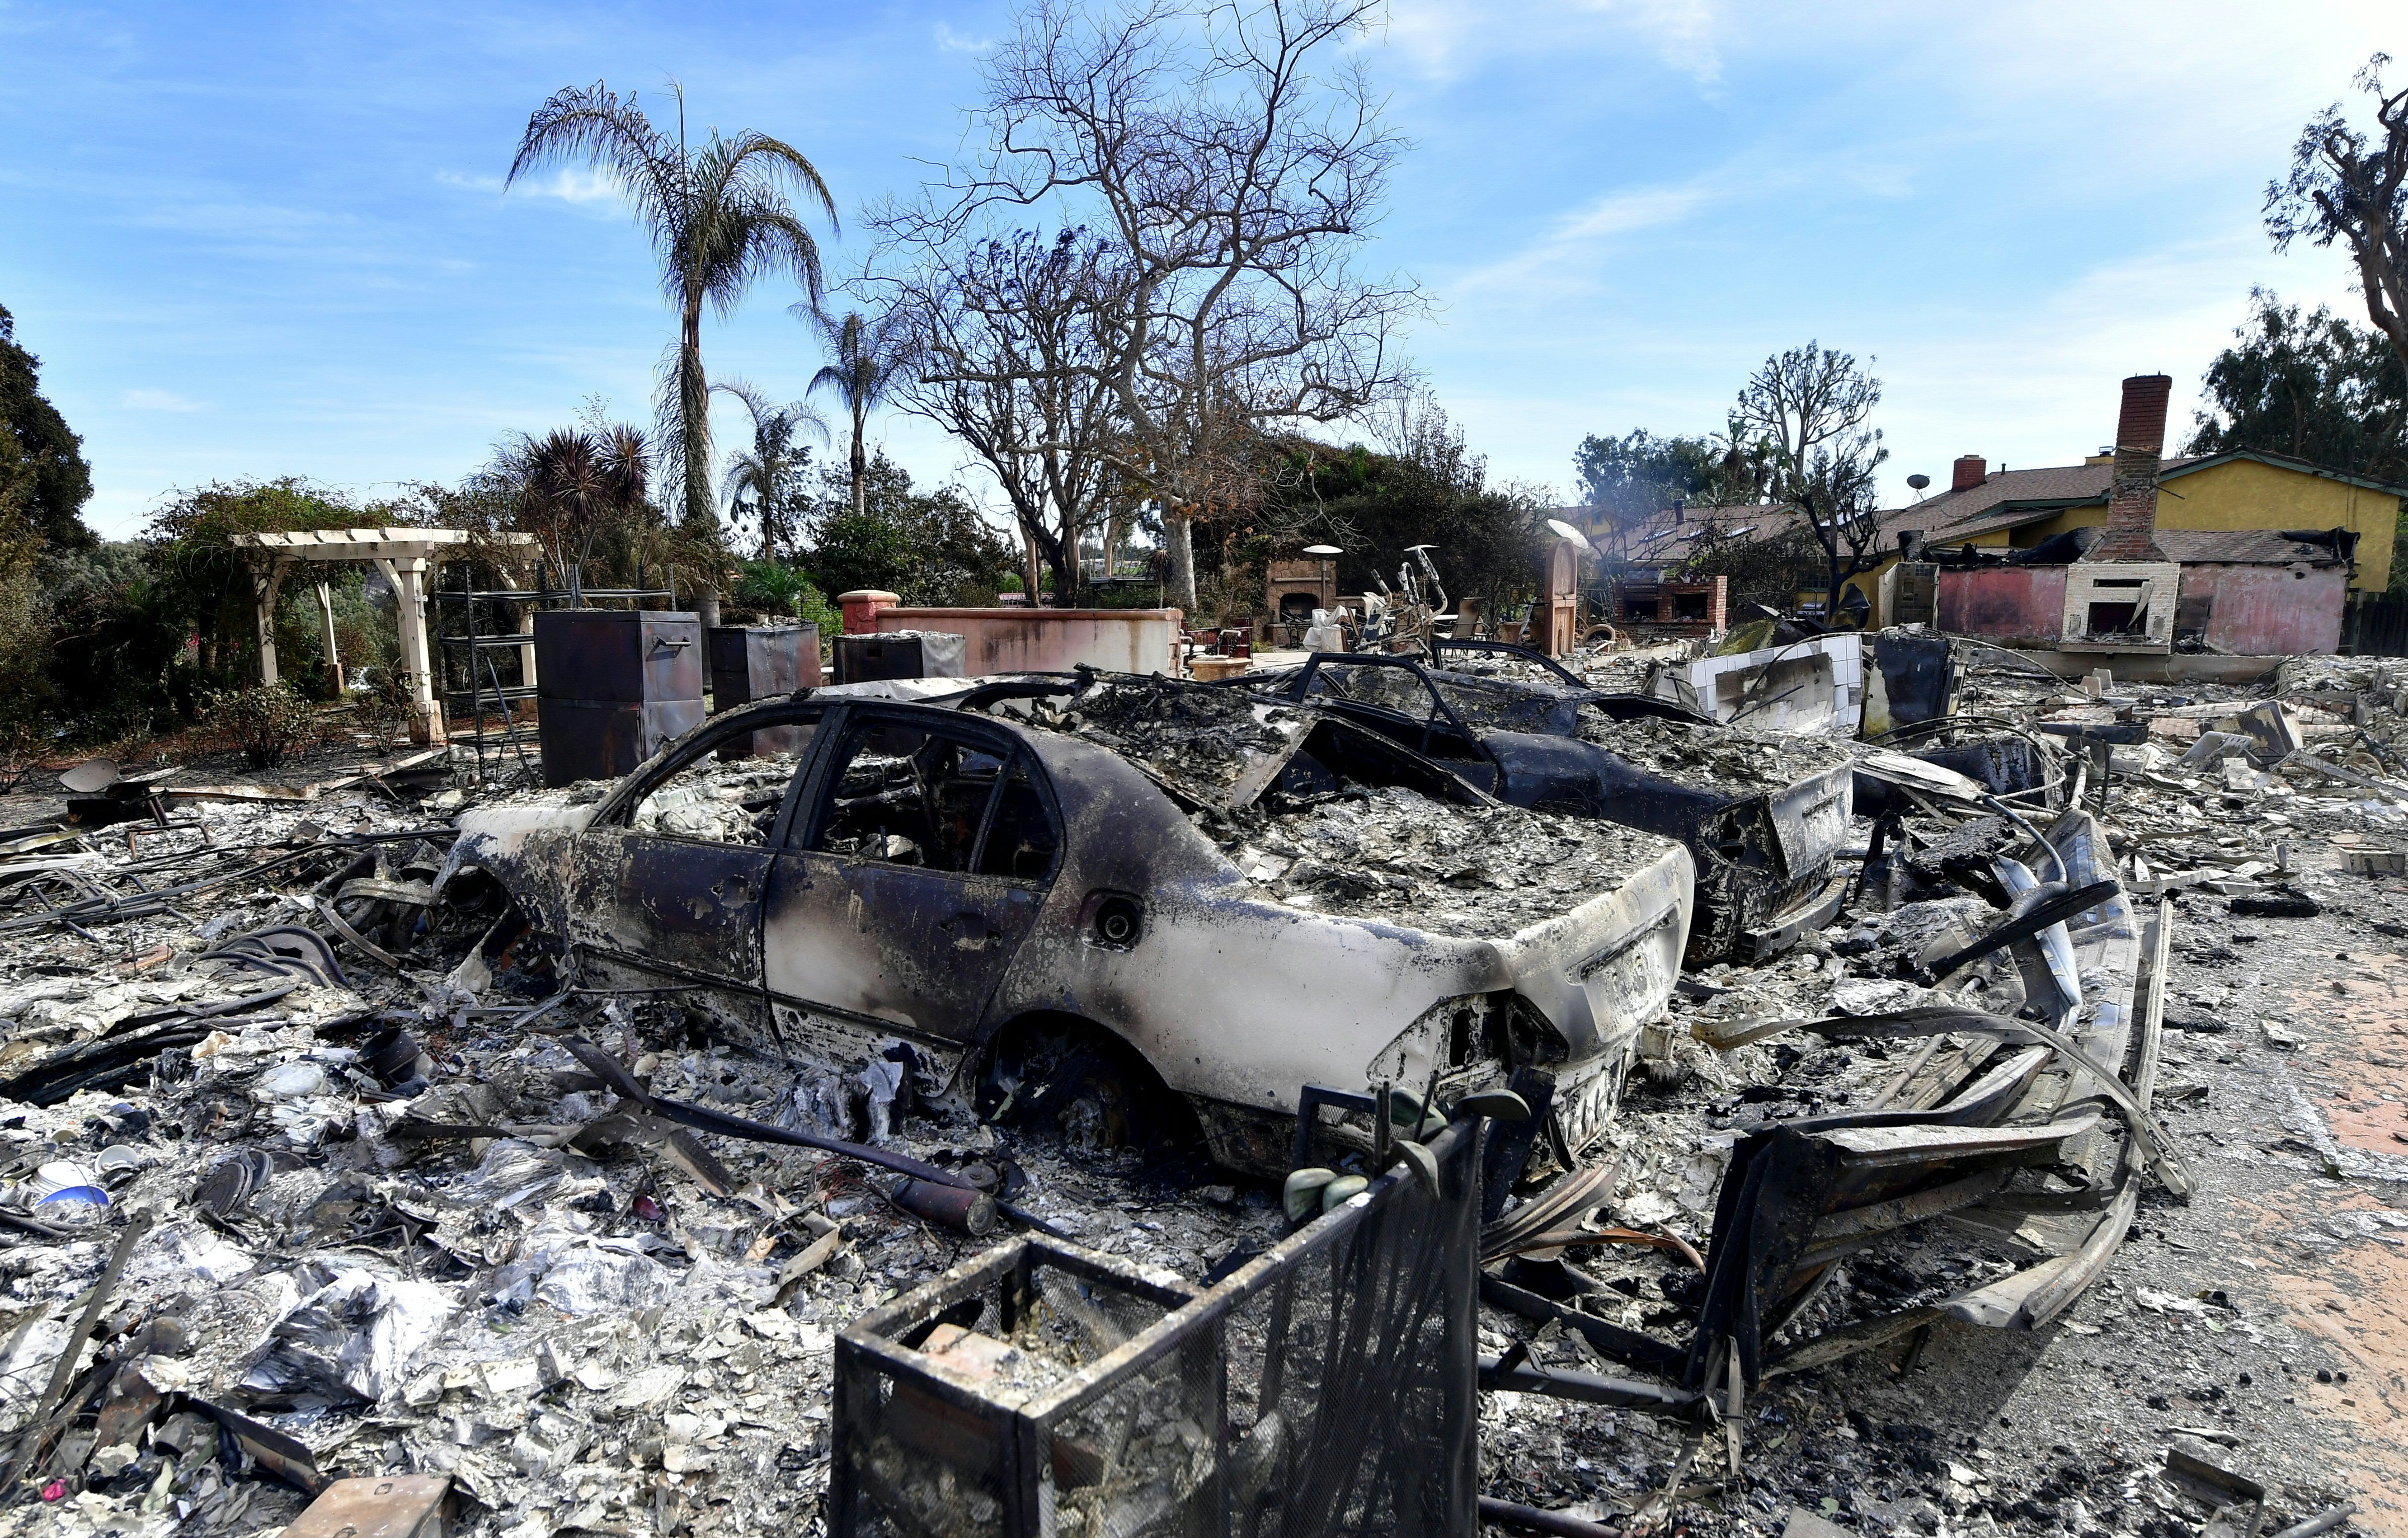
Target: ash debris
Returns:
[1200, 742]
[1317, 837]
[1732, 758]
[479, 1259]
[1393, 855]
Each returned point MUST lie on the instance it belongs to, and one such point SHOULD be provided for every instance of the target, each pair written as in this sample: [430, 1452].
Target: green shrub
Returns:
[775, 587]
[264, 723]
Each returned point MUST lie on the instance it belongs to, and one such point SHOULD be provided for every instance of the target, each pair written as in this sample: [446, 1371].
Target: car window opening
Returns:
[1336, 759]
[720, 802]
[906, 797]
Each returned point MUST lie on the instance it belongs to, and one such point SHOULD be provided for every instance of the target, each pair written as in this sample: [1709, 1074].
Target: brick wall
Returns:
[2132, 494]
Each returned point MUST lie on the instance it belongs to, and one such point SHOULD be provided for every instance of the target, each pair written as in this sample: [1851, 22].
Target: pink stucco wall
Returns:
[2268, 610]
[2012, 605]
[2251, 610]
[1046, 640]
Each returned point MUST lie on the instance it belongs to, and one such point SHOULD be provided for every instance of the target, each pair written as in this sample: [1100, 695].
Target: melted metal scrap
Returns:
[2024, 1113]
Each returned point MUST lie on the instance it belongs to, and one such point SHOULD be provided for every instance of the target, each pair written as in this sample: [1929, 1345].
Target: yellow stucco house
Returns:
[2241, 489]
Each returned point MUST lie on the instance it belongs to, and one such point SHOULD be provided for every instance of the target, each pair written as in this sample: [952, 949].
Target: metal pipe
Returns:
[958, 1208]
[1506, 1514]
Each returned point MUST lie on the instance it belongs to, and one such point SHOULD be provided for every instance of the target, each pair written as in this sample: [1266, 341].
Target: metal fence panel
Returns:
[1329, 1387]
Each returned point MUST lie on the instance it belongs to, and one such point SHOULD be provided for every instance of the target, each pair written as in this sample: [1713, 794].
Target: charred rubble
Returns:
[314, 1172]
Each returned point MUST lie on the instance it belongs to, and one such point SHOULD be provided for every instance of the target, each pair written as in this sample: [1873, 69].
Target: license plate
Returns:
[1628, 984]
[1583, 1107]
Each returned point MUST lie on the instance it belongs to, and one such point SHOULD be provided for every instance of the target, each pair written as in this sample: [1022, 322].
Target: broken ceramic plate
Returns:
[61, 1175]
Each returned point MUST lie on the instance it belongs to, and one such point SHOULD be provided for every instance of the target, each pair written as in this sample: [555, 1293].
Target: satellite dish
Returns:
[1918, 481]
[1325, 552]
[1567, 531]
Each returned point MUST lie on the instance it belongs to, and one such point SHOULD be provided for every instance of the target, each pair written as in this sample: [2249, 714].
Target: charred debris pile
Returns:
[309, 1171]
[1326, 818]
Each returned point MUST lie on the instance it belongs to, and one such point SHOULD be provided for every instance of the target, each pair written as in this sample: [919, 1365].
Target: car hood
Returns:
[523, 843]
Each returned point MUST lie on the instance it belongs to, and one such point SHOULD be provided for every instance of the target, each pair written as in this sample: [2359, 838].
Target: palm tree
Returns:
[573, 485]
[870, 357]
[766, 481]
[720, 218]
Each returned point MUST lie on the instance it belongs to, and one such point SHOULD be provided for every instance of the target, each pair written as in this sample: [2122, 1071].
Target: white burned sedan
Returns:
[1070, 904]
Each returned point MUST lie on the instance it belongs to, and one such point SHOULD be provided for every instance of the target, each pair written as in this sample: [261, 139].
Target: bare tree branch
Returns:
[2342, 186]
[1810, 406]
[1234, 160]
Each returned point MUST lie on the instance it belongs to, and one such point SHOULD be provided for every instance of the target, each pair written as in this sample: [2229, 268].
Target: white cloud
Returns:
[1683, 32]
[568, 184]
[953, 42]
[1444, 38]
[2041, 386]
[1574, 244]
[156, 400]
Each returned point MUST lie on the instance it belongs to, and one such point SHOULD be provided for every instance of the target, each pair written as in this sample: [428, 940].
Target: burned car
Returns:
[1762, 815]
[1066, 912]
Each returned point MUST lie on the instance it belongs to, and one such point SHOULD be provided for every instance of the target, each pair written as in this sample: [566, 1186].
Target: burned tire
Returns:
[1080, 1086]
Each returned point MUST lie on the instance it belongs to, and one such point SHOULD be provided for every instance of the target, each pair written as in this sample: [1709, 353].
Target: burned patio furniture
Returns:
[1327, 1386]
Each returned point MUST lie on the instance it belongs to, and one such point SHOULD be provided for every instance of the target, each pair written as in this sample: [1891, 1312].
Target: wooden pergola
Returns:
[408, 559]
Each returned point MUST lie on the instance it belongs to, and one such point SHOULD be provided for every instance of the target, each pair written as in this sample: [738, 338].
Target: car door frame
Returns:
[695, 747]
[805, 822]
[1380, 717]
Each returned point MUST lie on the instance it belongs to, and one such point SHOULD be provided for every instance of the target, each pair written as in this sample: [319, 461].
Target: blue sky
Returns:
[261, 239]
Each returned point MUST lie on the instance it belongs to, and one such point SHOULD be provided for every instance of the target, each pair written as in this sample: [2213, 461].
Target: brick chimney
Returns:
[2132, 494]
[1971, 471]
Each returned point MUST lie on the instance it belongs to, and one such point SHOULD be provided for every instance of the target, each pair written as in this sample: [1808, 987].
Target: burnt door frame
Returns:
[1401, 728]
[888, 943]
[679, 884]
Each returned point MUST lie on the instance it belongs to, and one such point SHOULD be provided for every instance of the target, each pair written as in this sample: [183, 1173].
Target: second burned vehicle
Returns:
[1068, 897]
[1762, 816]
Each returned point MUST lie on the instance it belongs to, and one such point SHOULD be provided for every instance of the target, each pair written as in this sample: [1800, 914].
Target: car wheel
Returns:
[1080, 1087]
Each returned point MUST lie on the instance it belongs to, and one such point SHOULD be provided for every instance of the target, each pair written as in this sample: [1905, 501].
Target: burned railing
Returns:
[1329, 1386]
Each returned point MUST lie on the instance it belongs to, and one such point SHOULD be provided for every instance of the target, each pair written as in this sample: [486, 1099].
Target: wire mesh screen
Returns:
[1329, 1387]
[1351, 1368]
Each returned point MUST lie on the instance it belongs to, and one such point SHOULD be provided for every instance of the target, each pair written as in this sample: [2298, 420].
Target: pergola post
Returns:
[263, 586]
[526, 629]
[407, 574]
[407, 557]
[333, 652]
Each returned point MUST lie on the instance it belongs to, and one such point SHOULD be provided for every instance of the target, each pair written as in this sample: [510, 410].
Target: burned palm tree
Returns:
[722, 219]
